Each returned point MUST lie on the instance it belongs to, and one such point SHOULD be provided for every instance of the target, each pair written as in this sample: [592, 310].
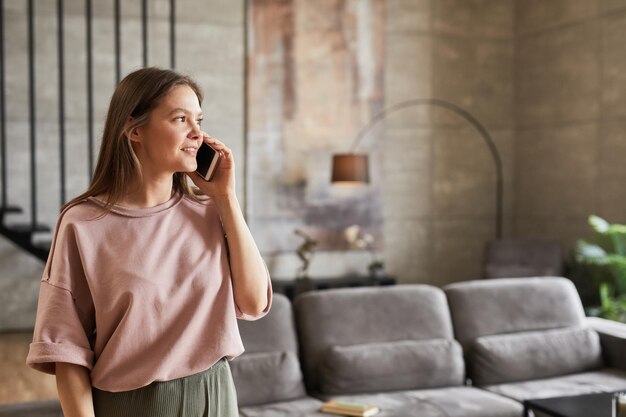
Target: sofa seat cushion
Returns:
[603, 380]
[300, 407]
[265, 377]
[450, 402]
[522, 356]
[392, 366]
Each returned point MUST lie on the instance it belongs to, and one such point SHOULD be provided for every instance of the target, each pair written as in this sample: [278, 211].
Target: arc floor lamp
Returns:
[354, 167]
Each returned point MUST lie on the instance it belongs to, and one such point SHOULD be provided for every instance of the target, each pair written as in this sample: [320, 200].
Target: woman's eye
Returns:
[181, 118]
[200, 122]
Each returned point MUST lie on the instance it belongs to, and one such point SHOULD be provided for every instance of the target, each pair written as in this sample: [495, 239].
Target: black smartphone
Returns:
[208, 160]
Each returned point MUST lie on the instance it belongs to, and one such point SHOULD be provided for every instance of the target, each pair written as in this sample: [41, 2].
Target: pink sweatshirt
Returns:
[139, 295]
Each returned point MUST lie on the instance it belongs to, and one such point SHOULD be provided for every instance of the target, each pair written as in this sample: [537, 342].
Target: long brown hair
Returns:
[135, 96]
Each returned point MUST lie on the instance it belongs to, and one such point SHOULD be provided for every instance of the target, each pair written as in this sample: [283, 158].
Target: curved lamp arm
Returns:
[465, 115]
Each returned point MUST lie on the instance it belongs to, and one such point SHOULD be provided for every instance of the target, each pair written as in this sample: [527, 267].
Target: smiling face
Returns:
[169, 141]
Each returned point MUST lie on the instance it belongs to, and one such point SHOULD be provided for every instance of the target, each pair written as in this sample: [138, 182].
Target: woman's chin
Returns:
[188, 168]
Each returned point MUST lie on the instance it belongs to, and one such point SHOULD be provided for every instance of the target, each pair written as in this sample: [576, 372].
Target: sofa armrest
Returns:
[613, 340]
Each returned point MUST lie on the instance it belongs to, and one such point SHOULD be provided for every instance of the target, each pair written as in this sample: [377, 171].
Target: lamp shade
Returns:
[350, 168]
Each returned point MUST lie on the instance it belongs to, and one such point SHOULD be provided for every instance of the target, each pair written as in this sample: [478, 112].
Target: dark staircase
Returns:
[23, 235]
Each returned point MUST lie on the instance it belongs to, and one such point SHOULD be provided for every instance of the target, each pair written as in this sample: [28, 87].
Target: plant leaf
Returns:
[599, 224]
[590, 253]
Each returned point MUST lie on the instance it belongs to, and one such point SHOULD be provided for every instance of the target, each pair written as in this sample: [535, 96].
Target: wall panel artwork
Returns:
[315, 76]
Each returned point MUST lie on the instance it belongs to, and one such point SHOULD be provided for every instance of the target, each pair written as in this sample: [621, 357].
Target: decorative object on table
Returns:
[619, 404]
[605, 263]
[364, 241]
[305, 252]
[353, 168]
[349, 409]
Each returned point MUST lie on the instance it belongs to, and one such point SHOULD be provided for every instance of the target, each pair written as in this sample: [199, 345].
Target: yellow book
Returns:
[349, 409]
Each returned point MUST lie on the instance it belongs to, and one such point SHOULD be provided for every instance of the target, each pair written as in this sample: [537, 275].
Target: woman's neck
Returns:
[148, 194]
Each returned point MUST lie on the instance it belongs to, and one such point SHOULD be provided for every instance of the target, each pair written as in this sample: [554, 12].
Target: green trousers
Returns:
[206, 394]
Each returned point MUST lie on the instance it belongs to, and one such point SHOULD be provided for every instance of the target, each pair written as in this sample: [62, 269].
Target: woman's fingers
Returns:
[210, 139]
[217, 145]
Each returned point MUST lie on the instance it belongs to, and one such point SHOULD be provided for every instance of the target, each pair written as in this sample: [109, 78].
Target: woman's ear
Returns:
[132, 133]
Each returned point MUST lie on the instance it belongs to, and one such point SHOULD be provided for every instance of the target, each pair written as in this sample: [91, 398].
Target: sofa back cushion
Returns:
[391, 366]
[274, 332]
[269, 377]
[533, 355]
[269, 369]
[355, 316]
[510, 305]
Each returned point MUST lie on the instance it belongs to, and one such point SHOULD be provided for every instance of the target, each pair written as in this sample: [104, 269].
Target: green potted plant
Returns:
[605, 262]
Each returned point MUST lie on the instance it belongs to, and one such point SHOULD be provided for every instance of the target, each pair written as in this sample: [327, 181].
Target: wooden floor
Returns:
[19, 382]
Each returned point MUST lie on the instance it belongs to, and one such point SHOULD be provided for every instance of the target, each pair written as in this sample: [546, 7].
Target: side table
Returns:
[293, 287]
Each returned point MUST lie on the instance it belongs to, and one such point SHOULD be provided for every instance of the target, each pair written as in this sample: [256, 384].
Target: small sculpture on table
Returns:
[305, 253]
[365, 241]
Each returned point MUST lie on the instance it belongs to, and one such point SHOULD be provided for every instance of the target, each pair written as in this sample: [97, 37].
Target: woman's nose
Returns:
[195, 131]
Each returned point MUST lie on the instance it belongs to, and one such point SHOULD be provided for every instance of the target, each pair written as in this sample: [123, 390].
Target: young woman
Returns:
[146, 277]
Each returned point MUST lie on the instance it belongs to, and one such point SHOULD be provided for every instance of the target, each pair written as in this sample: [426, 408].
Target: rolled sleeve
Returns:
[61, 331]
[44, 355]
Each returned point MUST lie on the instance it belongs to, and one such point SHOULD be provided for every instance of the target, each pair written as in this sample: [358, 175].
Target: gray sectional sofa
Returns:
[471, 349]
[475, 348]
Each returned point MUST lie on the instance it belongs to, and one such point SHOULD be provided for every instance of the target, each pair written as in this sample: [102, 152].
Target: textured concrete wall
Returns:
[439, 174]
[570, 144]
